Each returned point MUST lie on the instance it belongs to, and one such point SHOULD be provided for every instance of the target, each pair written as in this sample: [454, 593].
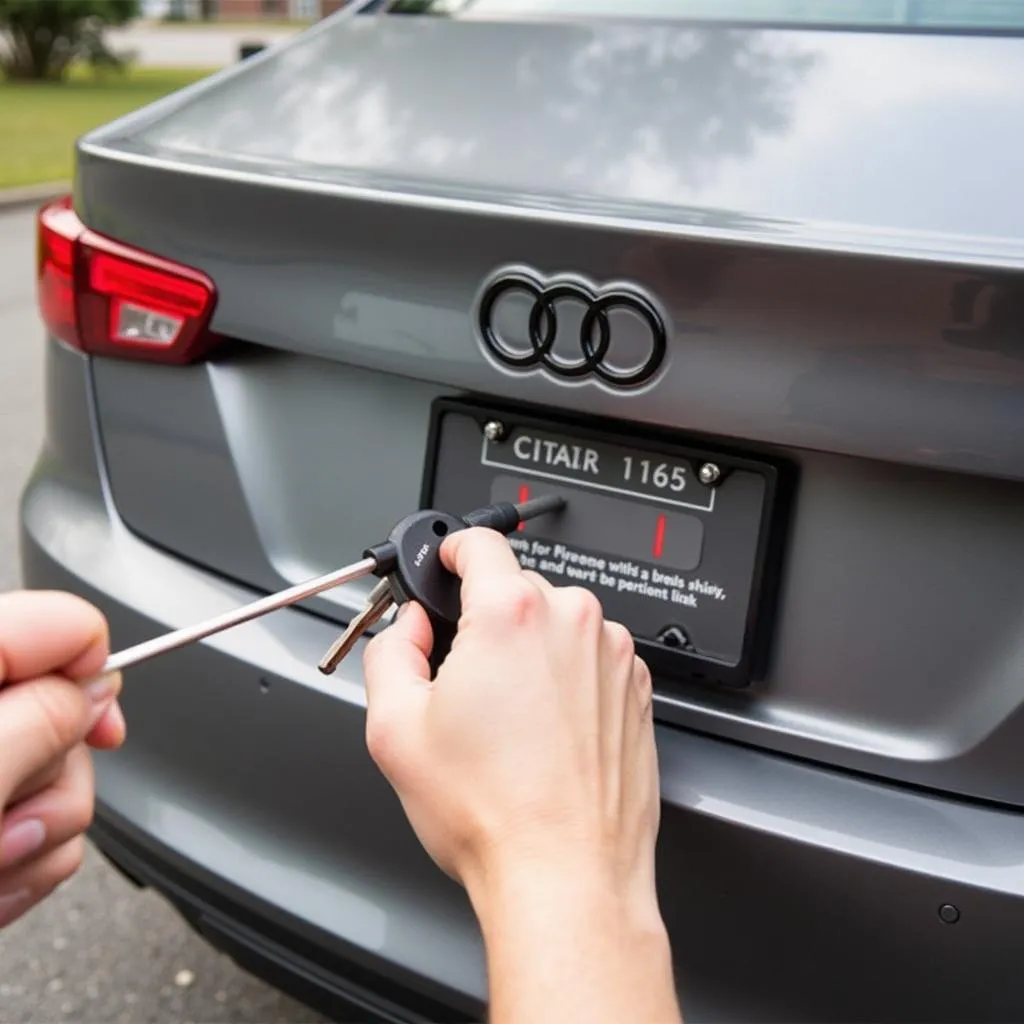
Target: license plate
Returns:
[683, 558]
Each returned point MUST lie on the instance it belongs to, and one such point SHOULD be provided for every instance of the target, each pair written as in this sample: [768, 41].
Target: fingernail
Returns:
[12, 904]
[116, 715]
[99, 691]
[98, 711]
[21, 839]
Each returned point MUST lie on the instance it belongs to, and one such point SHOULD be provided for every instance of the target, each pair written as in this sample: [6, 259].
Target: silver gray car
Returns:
[744, 282]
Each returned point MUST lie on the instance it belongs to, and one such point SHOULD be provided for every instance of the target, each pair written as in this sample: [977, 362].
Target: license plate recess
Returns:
[688, 563]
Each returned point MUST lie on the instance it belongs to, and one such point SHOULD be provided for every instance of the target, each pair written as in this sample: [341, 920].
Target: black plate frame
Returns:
[668, 666]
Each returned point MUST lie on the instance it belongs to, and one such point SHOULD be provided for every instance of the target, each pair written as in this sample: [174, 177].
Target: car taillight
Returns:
[107, 298]
[58, 228]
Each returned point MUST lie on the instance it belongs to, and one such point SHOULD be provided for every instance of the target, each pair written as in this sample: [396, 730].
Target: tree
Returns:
[41, 38]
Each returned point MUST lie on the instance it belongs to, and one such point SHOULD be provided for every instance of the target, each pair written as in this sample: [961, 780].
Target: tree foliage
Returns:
[42, 38]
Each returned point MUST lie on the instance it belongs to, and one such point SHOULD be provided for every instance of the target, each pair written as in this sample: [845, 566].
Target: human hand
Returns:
[50, 645]
[528, 770]
[532, 753]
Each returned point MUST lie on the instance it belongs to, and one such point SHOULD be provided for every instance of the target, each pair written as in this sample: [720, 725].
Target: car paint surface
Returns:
[247, 770]
[830, 221]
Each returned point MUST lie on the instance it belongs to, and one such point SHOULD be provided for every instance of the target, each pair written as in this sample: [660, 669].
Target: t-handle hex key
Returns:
[410, 568]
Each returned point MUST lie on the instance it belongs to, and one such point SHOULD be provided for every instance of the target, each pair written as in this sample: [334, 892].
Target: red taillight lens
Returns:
[58, 230]
[135, 304]
[110, 299]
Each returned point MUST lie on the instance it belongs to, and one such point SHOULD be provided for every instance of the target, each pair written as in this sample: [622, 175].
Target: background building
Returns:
[243, 10]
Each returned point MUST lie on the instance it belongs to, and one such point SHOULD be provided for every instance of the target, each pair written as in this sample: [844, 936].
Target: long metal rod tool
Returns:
[189, 634]
[503, 516]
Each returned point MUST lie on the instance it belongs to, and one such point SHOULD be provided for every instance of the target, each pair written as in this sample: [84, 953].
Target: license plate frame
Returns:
[671, 667]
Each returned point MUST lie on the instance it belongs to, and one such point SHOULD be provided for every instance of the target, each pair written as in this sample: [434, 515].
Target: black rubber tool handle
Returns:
[410, 560]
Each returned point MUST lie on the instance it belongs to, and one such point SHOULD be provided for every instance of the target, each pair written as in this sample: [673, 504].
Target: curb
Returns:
[31, 195]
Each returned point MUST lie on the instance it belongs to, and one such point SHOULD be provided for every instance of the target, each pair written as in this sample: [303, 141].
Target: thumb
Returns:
[40, 721]
[397, 672]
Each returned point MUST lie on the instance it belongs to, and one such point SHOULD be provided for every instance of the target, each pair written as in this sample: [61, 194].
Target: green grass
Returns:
[39, 122]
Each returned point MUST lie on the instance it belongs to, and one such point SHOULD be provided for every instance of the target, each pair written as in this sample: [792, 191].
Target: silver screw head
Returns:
[494, 430]
[709, 474]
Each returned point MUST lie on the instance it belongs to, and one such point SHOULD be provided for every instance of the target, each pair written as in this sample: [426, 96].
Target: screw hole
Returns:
[264, 685]
[440, 527]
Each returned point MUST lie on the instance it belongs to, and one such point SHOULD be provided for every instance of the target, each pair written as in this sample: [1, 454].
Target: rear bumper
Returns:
[274, 950]
[244, 792]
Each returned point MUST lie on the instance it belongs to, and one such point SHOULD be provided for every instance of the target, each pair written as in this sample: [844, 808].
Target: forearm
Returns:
[564, 947]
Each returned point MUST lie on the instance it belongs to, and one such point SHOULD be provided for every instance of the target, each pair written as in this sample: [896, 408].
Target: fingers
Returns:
[397, 674]
[37, 783]
[537, 580]
[643, 687]
[50, 643]
[580, 610]
[618, 645]
[618, 655]
[50, 818]
[482, 559]
[43, 632]
[401, 651]
[40, 721]
[109, 732]
[24, 887]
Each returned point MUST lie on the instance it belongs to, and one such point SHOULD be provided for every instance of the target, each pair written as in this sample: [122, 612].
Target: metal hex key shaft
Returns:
[271, 603]
[410, 578]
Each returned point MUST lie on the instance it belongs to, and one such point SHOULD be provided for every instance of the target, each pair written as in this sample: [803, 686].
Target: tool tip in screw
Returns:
[533, 507]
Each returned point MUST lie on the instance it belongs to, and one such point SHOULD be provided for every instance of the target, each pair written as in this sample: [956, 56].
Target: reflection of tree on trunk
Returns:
[592, 112]
[711, 95]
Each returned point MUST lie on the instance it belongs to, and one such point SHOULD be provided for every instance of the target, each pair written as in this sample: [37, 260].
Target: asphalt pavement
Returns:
[98, 950]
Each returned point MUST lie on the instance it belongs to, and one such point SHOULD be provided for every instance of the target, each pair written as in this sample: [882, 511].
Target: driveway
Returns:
[99, 950]
[199, 47]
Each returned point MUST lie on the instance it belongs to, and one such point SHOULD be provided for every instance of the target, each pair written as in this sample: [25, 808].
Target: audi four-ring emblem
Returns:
[595, 340]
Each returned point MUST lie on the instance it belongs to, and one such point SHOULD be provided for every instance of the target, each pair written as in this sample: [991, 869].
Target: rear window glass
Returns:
[947, 14]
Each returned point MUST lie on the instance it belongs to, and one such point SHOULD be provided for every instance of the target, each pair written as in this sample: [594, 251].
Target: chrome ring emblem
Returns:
[595, 334]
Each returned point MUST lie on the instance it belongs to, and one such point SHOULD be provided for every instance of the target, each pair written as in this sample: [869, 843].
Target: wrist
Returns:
[565, 896]
[564, 940]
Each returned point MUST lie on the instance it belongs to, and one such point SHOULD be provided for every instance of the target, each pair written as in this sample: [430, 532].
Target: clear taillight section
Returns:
[107, 298]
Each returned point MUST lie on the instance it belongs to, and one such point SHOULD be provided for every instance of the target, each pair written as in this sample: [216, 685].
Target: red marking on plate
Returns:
[524, 495]
[659, 537]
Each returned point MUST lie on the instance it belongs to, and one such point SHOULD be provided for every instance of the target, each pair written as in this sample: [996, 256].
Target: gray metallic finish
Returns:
[752, 846]
[319, 448]
[898, 643]
[165, 427]
[900, 631]
[832, 227]
[69, 446]
[843, 141]
[224, 463]
[883, 360]
[892, 653]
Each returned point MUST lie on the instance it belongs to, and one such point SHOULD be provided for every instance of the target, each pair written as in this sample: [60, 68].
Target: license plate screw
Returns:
[675, 637]
[709, 474]
[494, 431]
